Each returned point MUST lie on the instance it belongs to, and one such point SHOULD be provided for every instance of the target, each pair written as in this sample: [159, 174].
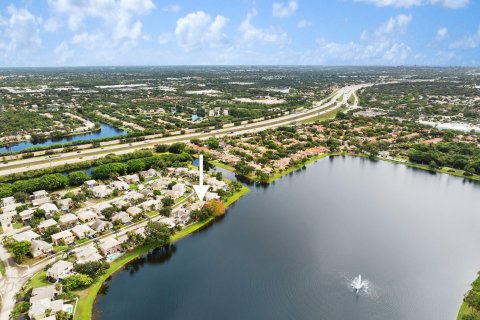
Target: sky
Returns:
[40, 33]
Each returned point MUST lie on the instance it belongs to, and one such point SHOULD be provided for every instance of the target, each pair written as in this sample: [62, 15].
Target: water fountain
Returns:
[358, 285]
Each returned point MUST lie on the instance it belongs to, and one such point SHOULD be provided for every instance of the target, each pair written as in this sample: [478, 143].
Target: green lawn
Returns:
[18, 225]
[152, 214]
[2, 268]
[326, 116]
[223, 165]
[38, 280]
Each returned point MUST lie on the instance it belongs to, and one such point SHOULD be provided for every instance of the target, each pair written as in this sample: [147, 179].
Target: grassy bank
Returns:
[88, 295]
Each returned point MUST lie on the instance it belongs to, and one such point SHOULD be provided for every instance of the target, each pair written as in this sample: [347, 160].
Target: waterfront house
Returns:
[86, 216]
[109, 246]
[44, 225]
[82, 231]
[28, 235]
[211, 196]
[40, 248]
[87, 253]
[66, 236]
[68, 219]
[40, 308]
[60, 269]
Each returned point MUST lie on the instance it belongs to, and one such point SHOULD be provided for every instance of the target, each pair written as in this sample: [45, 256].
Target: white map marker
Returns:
[200, 189]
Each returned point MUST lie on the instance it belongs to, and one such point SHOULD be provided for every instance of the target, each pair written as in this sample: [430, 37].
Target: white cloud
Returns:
[381, 48]
[63, 52]
[281, 10]
[455, 4]
[164, 38]
[442, 33]
[467, 42]
[22, 31]
[304, 24]
[197, 30]
[253, 35]
[173, 8]
[119, 19]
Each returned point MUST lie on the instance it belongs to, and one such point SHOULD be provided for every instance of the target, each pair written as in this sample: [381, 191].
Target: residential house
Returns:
[133, 196]
[151, 205]
[8, 201]
[100, 226]
[26, 215]
[99, 207]
[180, 188]
[49, 208]
[211, 196]
[109, 246]
[101, 191]
[121, 203]
[65, 204]
[60, 269]
[87, 216]
[47, 292]
[89, 184]
[134, 211]
[28, 235]
[66, 236]
[131, 179]
[82, 231]
[87, 253]
[40, 248]
[40, 308]
[181, 215]
[44, 225]
[170, 222]
[122, 216]
[40, 197]
[68, 219]
[120, 185]
[160, 184]
[172, 194]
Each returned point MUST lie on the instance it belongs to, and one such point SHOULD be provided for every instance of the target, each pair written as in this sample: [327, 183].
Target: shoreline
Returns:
[87, 297]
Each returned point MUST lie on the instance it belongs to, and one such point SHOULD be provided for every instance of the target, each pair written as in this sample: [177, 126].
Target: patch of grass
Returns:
[37, 281]
[323, 117]
[280, 174]
[57, 249]
[223, 165]
[152, 214]
[233, 198]
[2, 268]
[18, 225]
[79, 242]
[133, 186]
[464, 310]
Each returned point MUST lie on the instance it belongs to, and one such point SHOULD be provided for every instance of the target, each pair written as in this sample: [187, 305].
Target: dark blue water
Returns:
[290, 250]
[105, 131]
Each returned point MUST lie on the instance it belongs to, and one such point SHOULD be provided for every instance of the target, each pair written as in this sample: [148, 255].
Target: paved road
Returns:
[319, 108]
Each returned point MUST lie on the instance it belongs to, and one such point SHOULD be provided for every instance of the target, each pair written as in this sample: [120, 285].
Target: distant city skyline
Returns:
[280, 32]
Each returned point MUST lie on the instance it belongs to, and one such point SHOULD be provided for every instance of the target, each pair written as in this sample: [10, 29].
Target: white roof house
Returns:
[132, 178]
[60, 269]
[26, 236]
[101, 225]
[26, 214]
[120, 185]
[211, 196]
[40, 248]
[99, 207]
[8, 201]
[134, 211]
[82, 231]
[90, 183]
[68, 219]
[65, 235]
[109, 245]
[101, 191]
[86, 216]
[122, 216]
[151, 205]
[172, 193]
[49, 208]
[180, 188]
[47, 292]
[160, 184]
[46, 224]
[39, 308]
[87, 253]
[65, 204]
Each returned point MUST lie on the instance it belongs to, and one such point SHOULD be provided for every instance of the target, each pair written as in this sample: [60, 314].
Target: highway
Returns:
[322, 107]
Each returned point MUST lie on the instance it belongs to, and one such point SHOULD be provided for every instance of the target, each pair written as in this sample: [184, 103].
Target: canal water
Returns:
[291, 250]
[105, 131]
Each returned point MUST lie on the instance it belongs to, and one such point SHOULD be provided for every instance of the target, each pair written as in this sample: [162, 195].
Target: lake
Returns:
[105, 131]
[290, 251]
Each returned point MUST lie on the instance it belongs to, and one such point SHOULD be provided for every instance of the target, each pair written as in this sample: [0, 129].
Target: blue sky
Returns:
[321, 32]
